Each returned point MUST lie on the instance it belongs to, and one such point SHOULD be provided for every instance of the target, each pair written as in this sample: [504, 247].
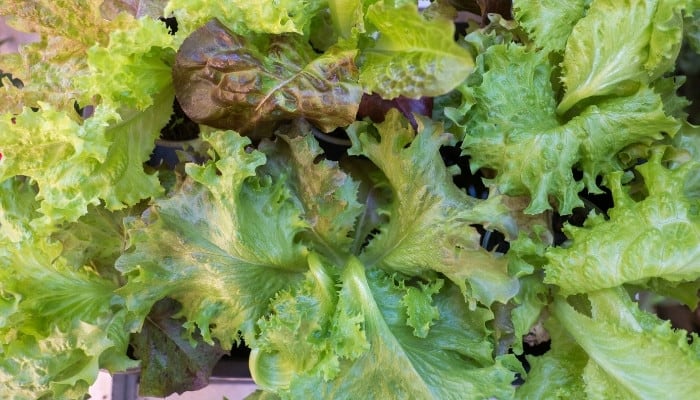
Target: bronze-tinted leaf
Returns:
[250, 84]
[170, 363]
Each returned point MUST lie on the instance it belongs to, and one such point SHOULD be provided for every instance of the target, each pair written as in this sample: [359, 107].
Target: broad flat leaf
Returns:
[396, 362]
[618, 46]
[430, 219]
[170, 363]
[549, 22]
[632, 354]
[411, 56]
[327, 194]
[656, 237]
[222, 245]
[250, 83]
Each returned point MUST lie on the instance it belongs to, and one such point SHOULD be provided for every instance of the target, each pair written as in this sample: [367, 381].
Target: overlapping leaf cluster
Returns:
[364, 277]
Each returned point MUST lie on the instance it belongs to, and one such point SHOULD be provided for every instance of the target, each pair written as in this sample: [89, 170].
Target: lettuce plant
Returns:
[351, 254]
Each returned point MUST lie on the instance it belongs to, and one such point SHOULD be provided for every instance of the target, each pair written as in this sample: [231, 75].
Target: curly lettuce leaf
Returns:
[61, 365]
[430, 219]
[250, 83]
[223, 273]
[53, 69]
[79, 20]
[300, 334]
[370, 315]
[618, 46]
[411, 56]
[520, 136]
[612, 336]
[60, 318]
[327, 194]
[656, 237]
[133, 68]
[549, 23]
[532, 151]
[77, 164]
[285, 16]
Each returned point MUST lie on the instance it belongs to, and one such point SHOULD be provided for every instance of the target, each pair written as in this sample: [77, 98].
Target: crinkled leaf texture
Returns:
[137, 8]
[244, 17]
[77, 164]
[123, 76]
[60, 319]
[628, 353]
[368, 340]
[221, 245]
[656, 237]
[549, 22]
[402, 62]
[133, 69]
[620, 45]
[49, 68]
[532, 151]
[430, 219]
[327, 195]
[230, 81]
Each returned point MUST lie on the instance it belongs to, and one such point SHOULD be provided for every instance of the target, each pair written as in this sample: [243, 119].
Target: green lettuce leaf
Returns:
[47, 68]
[327, 194]
[223, 274]
[549, 23]
[656, 237]
[411, 56]
[80, 164]
[619, 46]
[520, 136]
[60, 318]
[271, 78]
[532, 151]
[612, 337]
[245, 16]
[370, 315]
[430, 219]
[556, 374]
[300, 335]
[61, 365]
[133, 68]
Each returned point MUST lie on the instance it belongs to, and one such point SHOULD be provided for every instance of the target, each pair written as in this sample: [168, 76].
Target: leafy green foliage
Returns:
[609, 253]
[401, 63]
[357, 258]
